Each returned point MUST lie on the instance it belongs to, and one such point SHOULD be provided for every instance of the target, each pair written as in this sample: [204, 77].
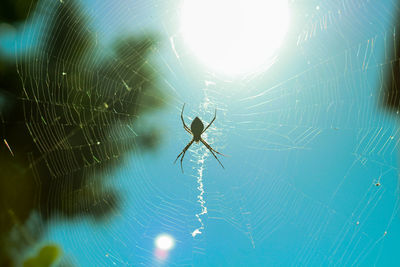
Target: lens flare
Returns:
[164, 242]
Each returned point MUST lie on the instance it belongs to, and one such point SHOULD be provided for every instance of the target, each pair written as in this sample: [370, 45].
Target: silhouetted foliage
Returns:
[392, 82]
[66, 119]
[15, 10]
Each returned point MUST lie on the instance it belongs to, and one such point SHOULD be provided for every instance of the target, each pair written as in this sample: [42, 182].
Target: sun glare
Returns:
[235, 36]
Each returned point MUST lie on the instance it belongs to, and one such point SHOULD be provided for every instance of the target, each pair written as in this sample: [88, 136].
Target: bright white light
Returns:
[164, 242]
[235, 36]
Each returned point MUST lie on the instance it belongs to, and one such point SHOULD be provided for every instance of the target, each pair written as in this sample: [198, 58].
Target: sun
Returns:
[235, 36]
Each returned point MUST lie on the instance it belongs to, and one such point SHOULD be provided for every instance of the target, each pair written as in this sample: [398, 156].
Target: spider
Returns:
[196, 130]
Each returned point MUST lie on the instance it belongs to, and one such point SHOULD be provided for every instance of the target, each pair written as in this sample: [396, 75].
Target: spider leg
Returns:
[183, 121]
[215, 116]
[212, 150]
[183, 153]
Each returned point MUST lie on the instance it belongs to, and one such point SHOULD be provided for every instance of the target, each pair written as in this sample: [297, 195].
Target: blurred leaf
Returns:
[45, 258]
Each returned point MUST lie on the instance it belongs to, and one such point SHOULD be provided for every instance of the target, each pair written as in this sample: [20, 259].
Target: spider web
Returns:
[311, 177]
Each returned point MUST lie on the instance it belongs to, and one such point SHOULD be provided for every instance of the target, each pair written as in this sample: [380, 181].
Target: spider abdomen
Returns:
[197, 128]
